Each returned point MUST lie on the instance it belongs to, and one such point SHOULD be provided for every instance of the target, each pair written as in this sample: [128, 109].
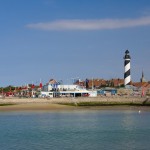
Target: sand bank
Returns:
[35, 106]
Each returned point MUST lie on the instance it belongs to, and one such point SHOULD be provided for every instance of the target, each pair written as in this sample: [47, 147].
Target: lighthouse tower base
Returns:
[128, 86]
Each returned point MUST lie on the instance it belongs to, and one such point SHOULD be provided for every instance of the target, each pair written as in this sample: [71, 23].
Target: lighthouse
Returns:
[127, 75]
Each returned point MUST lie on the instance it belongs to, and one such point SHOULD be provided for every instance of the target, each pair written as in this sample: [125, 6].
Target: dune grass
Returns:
[107, 104]
[7, 104]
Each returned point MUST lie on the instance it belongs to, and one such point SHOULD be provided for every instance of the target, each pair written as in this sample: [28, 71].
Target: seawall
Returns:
[122, 100]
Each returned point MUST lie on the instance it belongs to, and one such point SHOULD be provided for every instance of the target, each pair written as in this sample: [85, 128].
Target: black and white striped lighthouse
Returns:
[127, 75]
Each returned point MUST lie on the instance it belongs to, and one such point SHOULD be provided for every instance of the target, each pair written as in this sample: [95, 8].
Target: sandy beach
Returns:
[36, 106]
[22, 104]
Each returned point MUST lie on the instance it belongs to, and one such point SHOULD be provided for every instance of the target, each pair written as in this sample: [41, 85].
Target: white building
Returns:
[51, 87]
[52, 90]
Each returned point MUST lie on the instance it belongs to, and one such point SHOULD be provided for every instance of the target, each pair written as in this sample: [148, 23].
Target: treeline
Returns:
[7, 89]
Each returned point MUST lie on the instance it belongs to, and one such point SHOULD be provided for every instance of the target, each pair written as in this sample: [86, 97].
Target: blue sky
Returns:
[64, 39]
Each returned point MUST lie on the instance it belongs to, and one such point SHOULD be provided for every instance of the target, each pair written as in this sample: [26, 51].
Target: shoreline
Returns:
[64, 108]
[69, 104]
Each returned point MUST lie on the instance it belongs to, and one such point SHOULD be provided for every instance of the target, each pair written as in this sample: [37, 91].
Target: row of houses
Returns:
[99, 83]
[95, 84]
[28, 90]
[117, 86]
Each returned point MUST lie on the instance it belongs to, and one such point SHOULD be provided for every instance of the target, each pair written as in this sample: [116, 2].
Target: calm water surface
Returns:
[75, 130]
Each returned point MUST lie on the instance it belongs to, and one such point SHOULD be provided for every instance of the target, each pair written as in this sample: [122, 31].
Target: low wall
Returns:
[117, 99]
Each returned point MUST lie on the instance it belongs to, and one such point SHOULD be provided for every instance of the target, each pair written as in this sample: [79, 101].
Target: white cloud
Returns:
[101, 24]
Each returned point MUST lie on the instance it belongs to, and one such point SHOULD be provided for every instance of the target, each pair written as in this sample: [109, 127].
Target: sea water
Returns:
[75, 130]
